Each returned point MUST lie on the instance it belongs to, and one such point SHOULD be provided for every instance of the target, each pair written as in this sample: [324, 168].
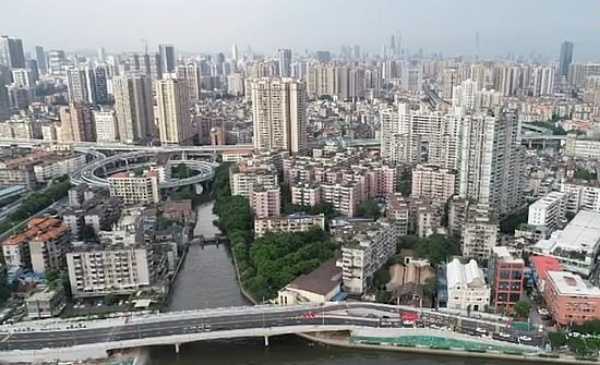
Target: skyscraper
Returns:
[101, 84]
[42, 60]
[11, 52]
[566, 58]
[167, 58]
[490, 161]
[134, 107]
[174, 118]
[285, 62]
[279, 114]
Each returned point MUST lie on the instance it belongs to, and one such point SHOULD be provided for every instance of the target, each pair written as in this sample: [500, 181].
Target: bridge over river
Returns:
[71, 339]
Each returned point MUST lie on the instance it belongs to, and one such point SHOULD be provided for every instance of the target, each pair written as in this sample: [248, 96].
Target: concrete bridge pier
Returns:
[176, 348]
[266, 341]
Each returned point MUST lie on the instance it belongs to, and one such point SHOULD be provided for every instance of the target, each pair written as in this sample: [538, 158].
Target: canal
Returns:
[207, 280]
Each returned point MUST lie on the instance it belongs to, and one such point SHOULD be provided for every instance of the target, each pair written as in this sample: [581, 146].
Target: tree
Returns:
[110, 299]
[181, 171]
[436, 248]
[557, 340]
[522, 309]
[512, 222]
[369, 209]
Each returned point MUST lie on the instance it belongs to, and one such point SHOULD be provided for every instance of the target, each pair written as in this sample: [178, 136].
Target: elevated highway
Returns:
[89, 173]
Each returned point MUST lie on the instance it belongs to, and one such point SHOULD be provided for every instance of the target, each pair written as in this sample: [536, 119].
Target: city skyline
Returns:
[213, 26]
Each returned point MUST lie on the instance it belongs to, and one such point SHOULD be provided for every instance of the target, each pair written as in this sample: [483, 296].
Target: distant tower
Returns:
[285, 62]
[566, 57]
[477, 49]
[167, 58]
[235, 53]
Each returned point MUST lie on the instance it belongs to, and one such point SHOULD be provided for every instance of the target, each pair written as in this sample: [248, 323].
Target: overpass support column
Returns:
[266, 341]
[176, 348]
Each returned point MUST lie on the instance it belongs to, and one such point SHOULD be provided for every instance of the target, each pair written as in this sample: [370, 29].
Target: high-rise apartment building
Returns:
[56, 61]
[566, 58]
[81, 82]
[174, 118]
[490, 161]
[279, 113]
[421, 136]
[11, 52]
[77, 123]
[134, 107]
[107, 128]
[543, 81]
[190, 74]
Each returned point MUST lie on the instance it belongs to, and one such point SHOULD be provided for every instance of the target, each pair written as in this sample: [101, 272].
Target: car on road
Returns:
[525, 339]
[503, 335]
[481, 330]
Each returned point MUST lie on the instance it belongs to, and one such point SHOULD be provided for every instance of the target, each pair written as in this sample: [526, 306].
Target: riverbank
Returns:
[345, 342]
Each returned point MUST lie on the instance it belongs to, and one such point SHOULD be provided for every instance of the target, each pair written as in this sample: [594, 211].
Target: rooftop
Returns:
[582, 234]
[547, 200]
[321, 281]
[469, 275]
[567, 283]
[39, 229]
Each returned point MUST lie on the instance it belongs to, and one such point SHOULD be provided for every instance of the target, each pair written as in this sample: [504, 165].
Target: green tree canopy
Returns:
[522, 309]
[369, 209]
[436, 248]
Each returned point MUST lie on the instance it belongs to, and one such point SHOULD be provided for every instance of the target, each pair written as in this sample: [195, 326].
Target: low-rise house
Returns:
[467, 289]
[319, 286]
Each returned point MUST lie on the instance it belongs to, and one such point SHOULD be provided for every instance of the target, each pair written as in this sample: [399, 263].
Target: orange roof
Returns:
[543, 264]
[42, 229]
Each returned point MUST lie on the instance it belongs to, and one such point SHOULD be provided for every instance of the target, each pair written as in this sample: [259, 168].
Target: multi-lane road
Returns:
[335, 315]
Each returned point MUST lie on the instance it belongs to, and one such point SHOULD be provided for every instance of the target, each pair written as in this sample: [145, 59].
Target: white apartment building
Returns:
[279, 114]
[366, 246]
[344, 197]
[98, 271]
[128, 231]
[249, 173]
[479, 234]
[467, 289]
[548, 212]
[433, 183]
[582, 148]
[53, 168]
[576, 246]
[135, 189]
[422, 136]
[306, 194]
[107, 128]
[581, 195]
[297, 222]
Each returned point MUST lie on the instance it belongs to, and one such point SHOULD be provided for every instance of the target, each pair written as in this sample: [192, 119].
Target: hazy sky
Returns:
[449, 26]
